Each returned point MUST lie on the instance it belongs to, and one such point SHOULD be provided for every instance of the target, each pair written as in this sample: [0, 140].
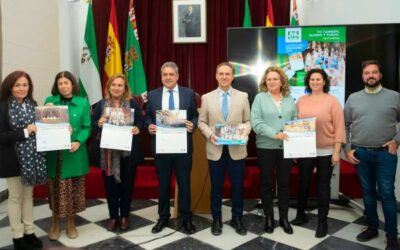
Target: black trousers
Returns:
[119, 195]
[324, 174]
[182, 163]
[235, 170]
[270, 160]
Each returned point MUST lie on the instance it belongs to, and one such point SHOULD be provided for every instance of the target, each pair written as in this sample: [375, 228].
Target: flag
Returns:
[133, 66]
[270, 15]
[247, 15]
[112, 64]
[294, 15]
[89, 77]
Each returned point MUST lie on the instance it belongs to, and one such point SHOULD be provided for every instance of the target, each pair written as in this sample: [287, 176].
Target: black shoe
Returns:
[301, 218]
[237, 224]
[216, 228]
[284, 223]
[33, 240]
[189, 227]
[22, 244]
[161, 223]
[322, 229]
[392, 243]
[269, 224]
[367, 234]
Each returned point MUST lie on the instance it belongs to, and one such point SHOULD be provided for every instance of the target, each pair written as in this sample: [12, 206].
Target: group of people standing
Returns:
[371, 145]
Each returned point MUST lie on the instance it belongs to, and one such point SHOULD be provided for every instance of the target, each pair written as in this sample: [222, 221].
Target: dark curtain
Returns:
[196, 62]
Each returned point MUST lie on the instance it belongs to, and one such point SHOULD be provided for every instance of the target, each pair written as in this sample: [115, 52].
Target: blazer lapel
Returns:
[218, 105]
[181, 99]
[157, 105]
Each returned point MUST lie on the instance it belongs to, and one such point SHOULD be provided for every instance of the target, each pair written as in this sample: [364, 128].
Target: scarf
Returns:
[32, 163]
[110, 158]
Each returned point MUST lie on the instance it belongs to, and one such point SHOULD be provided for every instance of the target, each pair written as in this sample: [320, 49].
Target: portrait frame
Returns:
[189, 21]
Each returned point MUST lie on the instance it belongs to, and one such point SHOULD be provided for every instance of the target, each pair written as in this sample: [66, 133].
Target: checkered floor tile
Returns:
[344, 224]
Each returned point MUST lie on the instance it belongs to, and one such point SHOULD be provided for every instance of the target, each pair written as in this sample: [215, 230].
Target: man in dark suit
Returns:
[171, 97]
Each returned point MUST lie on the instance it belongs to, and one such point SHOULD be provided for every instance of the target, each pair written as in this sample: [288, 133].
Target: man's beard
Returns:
[372, 85]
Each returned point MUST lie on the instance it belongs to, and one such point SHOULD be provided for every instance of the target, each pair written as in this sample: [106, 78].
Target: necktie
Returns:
[225, 105]
[171, 100]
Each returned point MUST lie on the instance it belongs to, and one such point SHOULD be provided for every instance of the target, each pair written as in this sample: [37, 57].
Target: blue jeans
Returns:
[378, 167]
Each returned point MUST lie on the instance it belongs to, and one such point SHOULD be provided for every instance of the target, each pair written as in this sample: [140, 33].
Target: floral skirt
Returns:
[66, 196]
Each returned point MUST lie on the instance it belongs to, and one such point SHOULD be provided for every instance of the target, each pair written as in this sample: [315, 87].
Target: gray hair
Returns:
[171, 65]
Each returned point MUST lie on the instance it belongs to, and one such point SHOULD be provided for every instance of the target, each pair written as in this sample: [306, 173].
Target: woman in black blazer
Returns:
[21, 165]
[119, 170]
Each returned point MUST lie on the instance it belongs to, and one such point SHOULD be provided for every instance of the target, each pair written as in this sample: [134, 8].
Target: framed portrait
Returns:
[189, 21]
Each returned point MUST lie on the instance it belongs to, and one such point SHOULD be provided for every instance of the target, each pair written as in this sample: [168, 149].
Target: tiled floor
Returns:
[344, 224]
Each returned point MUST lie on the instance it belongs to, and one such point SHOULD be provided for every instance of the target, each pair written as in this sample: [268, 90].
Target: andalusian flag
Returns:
[112, 64]
[247, 15]
[89, 77]
[294, 14]
[133, 66]
[270, 15]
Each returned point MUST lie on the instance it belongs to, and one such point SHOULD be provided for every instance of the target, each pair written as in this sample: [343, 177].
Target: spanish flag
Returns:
[113, 63]
[270, 15]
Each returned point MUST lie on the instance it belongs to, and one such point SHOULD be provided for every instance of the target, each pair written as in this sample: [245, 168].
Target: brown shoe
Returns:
[54, 232]
[112, 224]
[72, 232]
[124, 223]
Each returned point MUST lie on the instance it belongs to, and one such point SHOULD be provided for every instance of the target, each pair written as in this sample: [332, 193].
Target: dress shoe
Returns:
[32, 240]
[367, 234]
[72, 232]
[392, 243]
[22, 244]
[161, 223]
[269, 224]
[237, 224]
[124, 223]
[284, 223]
[188, 227]
[322, 229]
[301, 218]
[112, 224]
[216, 227]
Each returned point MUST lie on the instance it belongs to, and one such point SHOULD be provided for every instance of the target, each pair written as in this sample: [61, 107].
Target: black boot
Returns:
[284, 223]
[269, 224]
[322, 229]
[301, 218]
[22, 244]
[33, 240]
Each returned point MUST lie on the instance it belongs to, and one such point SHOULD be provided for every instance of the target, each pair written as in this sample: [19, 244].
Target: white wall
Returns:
[326, 12]
[31, 43]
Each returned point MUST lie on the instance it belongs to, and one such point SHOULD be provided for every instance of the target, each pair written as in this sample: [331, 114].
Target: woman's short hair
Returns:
[285, 89]
[9, 82]
[127, 91]
[324, 75]
[69, 76]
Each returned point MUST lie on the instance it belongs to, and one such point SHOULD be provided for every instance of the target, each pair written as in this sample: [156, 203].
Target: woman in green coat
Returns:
[66, 168]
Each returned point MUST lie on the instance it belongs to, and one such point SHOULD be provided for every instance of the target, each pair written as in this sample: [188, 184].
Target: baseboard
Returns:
[3, 195]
